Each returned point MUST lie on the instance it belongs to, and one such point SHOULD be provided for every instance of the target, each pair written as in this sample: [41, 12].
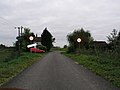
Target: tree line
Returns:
[88, 43]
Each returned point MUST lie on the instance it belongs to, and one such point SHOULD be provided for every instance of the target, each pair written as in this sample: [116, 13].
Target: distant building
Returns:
[37, 40]
[99, 44]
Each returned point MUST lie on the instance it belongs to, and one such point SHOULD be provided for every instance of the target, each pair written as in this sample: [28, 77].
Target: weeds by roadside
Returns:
[103, 65]
[11, 68]
[7, 54]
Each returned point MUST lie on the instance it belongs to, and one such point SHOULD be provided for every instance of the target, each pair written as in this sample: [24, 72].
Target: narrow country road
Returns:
[57, 72]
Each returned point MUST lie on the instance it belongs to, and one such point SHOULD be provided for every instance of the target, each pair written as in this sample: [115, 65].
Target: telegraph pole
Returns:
[21, 30]
[19, 34]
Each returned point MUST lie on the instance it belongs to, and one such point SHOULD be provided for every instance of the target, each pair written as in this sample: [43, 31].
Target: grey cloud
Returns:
[61, 16]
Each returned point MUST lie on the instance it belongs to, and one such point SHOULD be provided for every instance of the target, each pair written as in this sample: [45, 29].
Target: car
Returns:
[36, 50]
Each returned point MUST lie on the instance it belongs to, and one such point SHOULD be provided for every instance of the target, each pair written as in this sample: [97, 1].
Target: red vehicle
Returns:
[36, 50]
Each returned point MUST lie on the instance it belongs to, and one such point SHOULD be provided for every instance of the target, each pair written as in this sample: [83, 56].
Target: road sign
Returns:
[31, 38]
[79, 40]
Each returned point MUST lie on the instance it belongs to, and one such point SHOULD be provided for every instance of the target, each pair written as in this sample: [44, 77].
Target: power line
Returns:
[7, 22]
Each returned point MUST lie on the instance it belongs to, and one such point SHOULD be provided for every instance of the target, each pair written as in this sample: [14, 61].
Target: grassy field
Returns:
[7, 54]
[106, 67]
[11, 68]
[59, 49]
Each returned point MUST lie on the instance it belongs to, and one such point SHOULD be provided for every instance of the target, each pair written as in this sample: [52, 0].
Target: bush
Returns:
[71, 49]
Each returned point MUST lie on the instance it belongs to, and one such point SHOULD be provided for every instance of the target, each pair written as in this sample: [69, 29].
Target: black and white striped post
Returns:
[79, 40]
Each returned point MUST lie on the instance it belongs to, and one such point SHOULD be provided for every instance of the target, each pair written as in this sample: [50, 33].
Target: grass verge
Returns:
[10, 69]
[105, 67]
[7, 54]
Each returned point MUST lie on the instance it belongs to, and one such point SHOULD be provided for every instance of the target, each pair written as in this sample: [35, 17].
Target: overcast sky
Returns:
[61, 17]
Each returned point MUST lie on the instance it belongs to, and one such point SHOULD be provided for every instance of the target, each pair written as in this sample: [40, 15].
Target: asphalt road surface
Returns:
[57, 72]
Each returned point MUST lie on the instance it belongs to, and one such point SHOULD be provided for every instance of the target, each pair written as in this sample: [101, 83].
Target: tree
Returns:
[46, 39]
[24, 40]
[118, 38]
[113, 36]
[2, 46]
[65, 46]
[114, 40]
[80, 33]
